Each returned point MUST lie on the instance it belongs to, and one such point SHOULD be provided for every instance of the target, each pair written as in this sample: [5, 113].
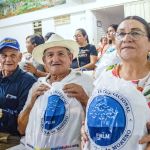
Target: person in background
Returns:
[14, 88]
[111, 31]
[28, 63]
[55, 103]
[129, 81]
[102, 46]
[48, 35]
[110, 57]
[87, 56]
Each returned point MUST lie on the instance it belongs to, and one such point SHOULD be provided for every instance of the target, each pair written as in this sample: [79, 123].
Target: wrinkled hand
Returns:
[146, 138]
[75, 90]
[40, 90]
[30, 68]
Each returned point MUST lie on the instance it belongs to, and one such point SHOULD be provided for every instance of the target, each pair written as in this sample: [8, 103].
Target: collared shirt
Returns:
[13, 95]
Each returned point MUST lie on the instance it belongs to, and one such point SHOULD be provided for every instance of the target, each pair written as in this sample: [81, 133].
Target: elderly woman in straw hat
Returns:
[53, 114]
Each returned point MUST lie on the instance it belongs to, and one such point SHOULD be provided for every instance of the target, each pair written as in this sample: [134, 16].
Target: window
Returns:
[61, 20]
[37, 27]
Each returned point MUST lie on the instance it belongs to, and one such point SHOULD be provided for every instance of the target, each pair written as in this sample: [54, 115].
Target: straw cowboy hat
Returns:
[55, 40]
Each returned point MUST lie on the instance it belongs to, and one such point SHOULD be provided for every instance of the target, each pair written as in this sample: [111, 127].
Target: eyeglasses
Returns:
[136, 35]
[77, 36]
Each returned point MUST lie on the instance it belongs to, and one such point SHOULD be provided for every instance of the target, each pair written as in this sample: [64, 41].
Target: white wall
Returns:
[77, 20]
[19, 32]
[73, 1]
[91, 26]
[140, 8]
[21, 26]
[84, 19]
[79, 1]
[47, 26]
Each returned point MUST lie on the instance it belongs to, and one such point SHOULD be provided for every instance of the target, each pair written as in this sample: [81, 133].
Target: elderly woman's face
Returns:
[57, 60]
[132, 41]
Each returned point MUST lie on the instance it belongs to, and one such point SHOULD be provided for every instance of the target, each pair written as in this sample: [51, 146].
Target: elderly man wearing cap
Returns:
[53, 114]
[14, 87]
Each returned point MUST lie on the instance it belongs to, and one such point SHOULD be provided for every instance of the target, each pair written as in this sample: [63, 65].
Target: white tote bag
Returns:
[116, 116]
[54, 121]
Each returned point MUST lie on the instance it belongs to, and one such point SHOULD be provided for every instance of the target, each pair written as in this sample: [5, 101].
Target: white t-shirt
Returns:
[107, 59]
[116, 115]
[55, 119]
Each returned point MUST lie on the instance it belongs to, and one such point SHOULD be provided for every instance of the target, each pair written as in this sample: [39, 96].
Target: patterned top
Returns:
[143, 85]
[114, 108]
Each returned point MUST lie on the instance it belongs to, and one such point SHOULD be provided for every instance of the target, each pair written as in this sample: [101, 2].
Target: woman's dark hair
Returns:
[141, 20]
[83, 32]
[36, 39]
[48, 35]
[114, 26]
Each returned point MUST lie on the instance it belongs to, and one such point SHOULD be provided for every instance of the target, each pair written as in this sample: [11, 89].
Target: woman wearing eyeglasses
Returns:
[118, 109]
[87, 56]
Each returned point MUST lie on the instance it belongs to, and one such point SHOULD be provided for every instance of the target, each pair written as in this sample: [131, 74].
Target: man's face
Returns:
[57, 60]
[29, 45]
[9, 59]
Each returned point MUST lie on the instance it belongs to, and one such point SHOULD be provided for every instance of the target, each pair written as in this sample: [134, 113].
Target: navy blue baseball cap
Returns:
[9, 42]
